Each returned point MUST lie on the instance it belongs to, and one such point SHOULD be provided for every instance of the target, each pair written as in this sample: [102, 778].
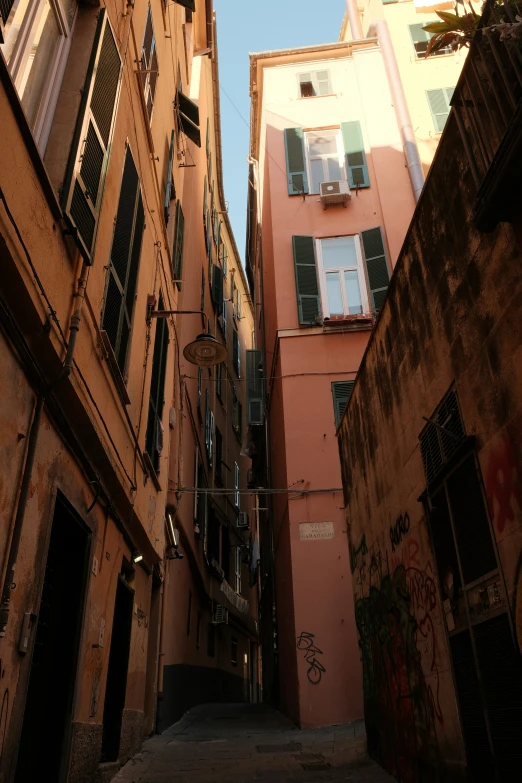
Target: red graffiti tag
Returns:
[502, 486]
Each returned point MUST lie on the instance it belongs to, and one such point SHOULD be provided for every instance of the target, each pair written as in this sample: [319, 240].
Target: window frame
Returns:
[149, 66]
[237, 569]
[21, 55]
[419, 56]
[308, 159]
[315, 83]
[363, 284]
[237, 499]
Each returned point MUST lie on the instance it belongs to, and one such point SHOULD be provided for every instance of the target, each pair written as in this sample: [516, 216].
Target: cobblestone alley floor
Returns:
[247, 743]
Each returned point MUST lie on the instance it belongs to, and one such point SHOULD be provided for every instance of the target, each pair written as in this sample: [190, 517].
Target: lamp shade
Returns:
[205, 351]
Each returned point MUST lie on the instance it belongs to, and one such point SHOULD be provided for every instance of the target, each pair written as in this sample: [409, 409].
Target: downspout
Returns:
[402, 113]
[32, 440]
[354, 20]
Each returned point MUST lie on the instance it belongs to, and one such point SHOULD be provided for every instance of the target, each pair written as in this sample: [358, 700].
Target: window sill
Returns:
[336, 322]
[311, 97]
[112, 364]
[152, 473]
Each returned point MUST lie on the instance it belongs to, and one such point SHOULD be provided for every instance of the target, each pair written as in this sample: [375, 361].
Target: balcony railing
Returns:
[487, 103]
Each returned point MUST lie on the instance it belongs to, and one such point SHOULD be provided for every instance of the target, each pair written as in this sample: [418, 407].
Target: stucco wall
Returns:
[451, 317]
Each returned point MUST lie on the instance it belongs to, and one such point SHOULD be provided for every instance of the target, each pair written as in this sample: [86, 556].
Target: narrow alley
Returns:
[251, 742]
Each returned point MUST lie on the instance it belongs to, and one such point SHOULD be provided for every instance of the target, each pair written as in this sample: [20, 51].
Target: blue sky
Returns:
[251, 26]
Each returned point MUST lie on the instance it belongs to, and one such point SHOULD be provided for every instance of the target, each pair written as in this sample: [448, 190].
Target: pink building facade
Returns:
[319, 272]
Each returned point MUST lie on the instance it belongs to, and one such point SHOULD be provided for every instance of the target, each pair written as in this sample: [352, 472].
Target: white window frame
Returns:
[313, 73]
[236, 486]
[340, 152]
[20, 56]
[360, 274]
[237, 570]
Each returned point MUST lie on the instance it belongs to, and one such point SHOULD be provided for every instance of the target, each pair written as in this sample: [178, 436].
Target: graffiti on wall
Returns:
[503, 489]
[305, 642]
[396, 599]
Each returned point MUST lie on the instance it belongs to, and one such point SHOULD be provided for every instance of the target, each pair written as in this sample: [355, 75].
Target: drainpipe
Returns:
[32, 440]
[402, 113]
[354, 19]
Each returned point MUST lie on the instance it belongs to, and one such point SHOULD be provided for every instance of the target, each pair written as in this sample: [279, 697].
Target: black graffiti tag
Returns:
[398, 530]
[305, 641]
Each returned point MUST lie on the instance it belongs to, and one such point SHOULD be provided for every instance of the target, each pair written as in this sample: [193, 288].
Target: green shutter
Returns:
[168, 187]
[122, 274]
[177, 251]
[308, 300]
[376, 265]
[341, 392]
[255, 387]
[418, 34]
[295, 162]
[355, 155]
[439, 101]
[154, 436]
[82, 192]
[217, 287]
[205, 203]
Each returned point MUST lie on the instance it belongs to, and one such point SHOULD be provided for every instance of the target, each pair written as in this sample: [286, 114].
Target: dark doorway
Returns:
[48, 708]
[117, 673]
[486, 661]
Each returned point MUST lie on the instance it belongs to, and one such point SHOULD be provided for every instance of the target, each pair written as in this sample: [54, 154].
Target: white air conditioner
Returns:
[220, 615]
[335, 192]
[242, 521]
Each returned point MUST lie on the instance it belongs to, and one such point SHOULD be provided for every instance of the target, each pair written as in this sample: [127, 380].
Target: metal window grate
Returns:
[442, 436]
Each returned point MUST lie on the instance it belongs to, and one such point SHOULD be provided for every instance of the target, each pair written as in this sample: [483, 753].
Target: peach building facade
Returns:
[320, 274]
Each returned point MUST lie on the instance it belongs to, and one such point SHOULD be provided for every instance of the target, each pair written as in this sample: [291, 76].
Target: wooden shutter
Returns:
[190, 4]
[168, 187]
[217, 288]
[82, 192]
[124, 262]
[224, 318]
[255, 387]
[5, 10]
[236, 485]
[177, 252]
[341, 392]
[295, 162]
[235, 351]
[307, 288]
[324, 86]
[355, 155]
[154, 436]
[205, 205]
[376, 265]
[439, 101]
[188, 118]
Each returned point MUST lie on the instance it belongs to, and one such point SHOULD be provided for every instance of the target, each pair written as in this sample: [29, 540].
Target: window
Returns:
[81, 195]
[177, 249]
[314, 83]
[420, 39]
[170, 191]
[237, 570]
[154, 434]
[343, 286]
[216, 289]
[236, 353]
[200, 384]
[122, 275]
[237, 416]
[223, 255]
[439, 101]
[209, 428]
[149, 63]
[189, 612]
[341, 392]
[219, 380]
[236, 485]
[325, 155]
[219, 458]
[37, 37]
[233, 651]
[255, 388]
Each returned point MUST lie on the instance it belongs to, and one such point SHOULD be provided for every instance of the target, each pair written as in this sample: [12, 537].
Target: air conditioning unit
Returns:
[335, 192]
[220, 615]
[243, 522]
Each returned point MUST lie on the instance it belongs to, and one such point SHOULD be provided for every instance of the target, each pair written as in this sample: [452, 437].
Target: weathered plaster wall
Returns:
[451, 317]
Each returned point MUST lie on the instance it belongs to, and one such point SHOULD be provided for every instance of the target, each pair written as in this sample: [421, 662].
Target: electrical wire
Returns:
[256, 491]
